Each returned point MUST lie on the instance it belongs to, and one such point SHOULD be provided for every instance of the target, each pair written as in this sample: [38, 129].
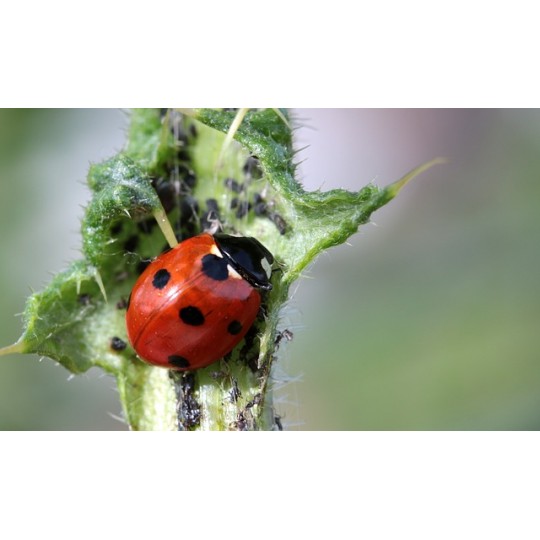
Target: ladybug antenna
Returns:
[165, 226]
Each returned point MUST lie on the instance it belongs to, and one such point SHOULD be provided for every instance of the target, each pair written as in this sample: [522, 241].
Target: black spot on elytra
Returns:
[192, 315]
[118, 344]
[161, 278]
[234, 328]
[215, 267]
[178, 361]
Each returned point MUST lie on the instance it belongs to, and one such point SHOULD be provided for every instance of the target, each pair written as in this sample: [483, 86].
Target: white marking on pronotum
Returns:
[267, 267]
[216, 251]
[233, 273]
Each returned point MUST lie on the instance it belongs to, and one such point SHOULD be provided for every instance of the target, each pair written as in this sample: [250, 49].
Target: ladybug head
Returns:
[248, 257]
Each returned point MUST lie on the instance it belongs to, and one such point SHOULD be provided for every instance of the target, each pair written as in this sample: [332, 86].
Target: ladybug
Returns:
[194, 303]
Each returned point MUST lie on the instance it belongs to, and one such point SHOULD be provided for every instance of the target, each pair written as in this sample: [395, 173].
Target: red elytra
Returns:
[196, 302]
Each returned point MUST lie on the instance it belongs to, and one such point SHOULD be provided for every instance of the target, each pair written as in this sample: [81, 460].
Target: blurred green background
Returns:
[428, 319]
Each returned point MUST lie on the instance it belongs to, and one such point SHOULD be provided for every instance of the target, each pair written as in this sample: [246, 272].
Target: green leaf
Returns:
[70, 322]
[180, 164]
[121, 189]
[320, 219]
